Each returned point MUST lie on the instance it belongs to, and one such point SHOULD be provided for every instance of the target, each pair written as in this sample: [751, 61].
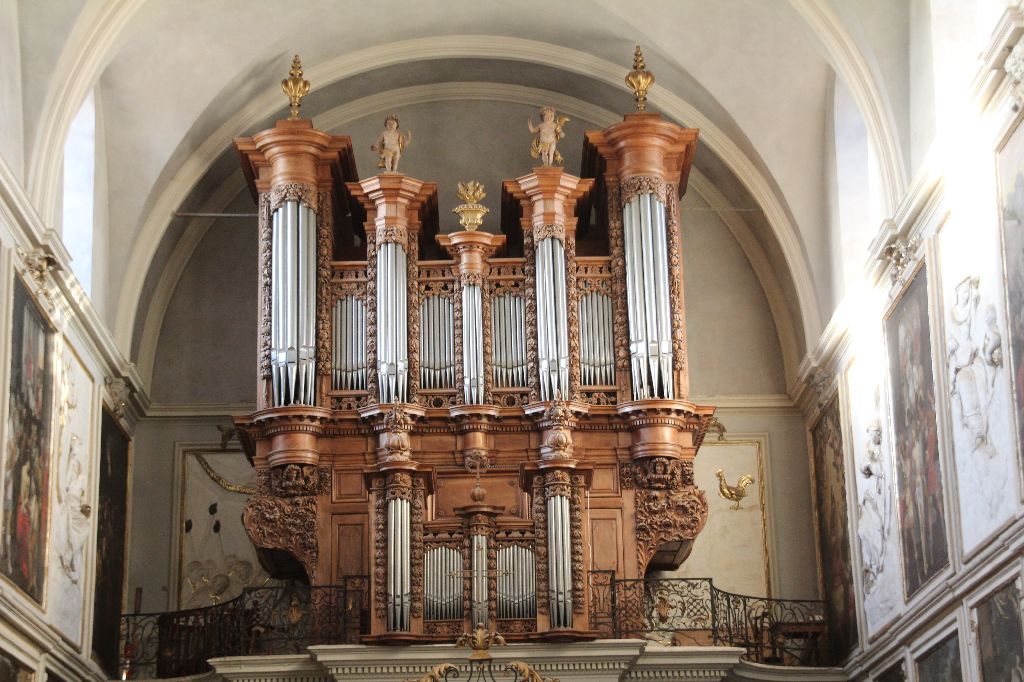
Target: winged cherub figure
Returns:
[390, 144]
[546, 136]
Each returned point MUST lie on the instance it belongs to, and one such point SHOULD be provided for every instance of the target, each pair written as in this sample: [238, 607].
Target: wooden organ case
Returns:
[473, 421]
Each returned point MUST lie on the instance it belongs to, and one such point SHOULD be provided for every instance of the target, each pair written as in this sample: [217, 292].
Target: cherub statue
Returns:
[546, 136]
[390, 144]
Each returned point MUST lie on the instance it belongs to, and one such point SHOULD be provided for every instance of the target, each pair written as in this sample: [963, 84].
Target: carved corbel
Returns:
[900, 255]
[393, 433]
[118, 392]
[37, 265]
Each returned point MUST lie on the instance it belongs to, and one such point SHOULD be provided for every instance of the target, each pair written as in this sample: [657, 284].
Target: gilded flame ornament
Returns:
[295, 87]
[639, 80]
[471, 213]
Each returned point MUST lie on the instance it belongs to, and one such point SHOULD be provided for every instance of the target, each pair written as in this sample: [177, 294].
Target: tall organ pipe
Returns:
[392, 311]
[399, 568]
[647, 294]
[293, 304]
[552, 323]
[559, 561]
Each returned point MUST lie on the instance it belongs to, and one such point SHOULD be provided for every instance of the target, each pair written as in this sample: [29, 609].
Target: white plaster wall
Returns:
[922, 86]
[12, 130]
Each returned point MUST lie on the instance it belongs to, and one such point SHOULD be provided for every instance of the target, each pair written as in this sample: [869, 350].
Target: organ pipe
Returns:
[559, 561]
[597, 346]
[293, 304]
[472, 344]
[552, 324]
[348, 353]
[508, 325]
[647, 287]
[437, 352]
[399, 565]
[392, 323]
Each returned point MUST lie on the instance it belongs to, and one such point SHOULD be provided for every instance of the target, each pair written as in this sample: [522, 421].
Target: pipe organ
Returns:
[474, 434]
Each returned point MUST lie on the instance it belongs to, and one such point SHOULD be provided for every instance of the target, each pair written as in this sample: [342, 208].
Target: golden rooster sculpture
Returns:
[735, 493]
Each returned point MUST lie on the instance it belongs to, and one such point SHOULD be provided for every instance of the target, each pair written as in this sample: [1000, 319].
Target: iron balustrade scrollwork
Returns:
[693, 611]
[262, 620]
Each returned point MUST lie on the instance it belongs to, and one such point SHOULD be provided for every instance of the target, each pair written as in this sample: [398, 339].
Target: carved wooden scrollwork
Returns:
[530, 301]
[324, 252]
[675, 279]
[294, 191]
[286, 524]
[666, 516]
[540, 532]
[635, 186]
[573, 318]
[371, 318]
[576, 537]
[661, 473]
[413, 277]
[544, 230]
[417, 504]
[380, 548]
[266, 269]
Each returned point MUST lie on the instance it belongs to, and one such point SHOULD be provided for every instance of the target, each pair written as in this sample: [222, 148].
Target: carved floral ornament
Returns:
[37, 265]
[1014, 67]
[900, 255]
[294, 191]
[544, 230]
[287, 524]
[630, 188]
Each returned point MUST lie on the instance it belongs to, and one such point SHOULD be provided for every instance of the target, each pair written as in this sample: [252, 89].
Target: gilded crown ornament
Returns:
[295, 87]
[639, 80]
[471, 213]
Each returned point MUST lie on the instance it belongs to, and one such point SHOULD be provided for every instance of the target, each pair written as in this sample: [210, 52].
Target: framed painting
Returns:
[893, 674]
[1010, 173]
[829, 473]
[13, 670]
[1000, 638]
[112, 520]
[26, 457]
[922, 512]
[941, 663]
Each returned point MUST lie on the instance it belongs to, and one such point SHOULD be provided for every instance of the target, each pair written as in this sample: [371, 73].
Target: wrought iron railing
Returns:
[263, 620]
[694, 611]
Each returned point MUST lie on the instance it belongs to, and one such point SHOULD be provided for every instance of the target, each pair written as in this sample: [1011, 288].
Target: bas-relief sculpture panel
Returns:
[1000, 637]
[829, 475]
[731, 548]
[922, 519]
[26, 457]
[875, 512]
[71, 512]
[1011, 189]
[942, 662]
[977, 381]
[216, 558]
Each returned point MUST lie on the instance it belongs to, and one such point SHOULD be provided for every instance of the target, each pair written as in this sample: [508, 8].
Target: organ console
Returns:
[475, 433]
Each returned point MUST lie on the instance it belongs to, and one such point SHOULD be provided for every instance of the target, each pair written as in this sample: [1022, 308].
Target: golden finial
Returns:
[471, 213]
[639, 79]
[295, 87]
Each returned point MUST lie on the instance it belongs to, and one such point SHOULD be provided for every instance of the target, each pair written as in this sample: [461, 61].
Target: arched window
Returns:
[79, 199]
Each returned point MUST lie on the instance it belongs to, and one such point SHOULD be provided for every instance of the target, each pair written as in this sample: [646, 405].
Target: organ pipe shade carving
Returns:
[437, 345]
[348, 354]
[392, 323]
[293, 304]
[552, 323]
[647, 291]
[508, 323]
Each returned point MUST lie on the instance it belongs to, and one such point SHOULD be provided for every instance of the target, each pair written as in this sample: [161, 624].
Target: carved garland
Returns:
[542, 231]
[294, 191]
[393, 234]
[665, 516]
[380, 549]
[576, 536]
[540, 532]
[620, 324]
[371, 318]
[266, 273]
[530, 300]
[675, 269]
[485, 297]
[417, 504]
[572, 318]
[324, 229]
[413, 309]
[460, 376]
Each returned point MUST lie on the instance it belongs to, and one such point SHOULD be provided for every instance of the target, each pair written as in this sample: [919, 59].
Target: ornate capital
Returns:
[544, 230]
[1014, 67]
[630, 188]
[119, 392]
[293, 191]
[900, 255]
